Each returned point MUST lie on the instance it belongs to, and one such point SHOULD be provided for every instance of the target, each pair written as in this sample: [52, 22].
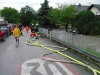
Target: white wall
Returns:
[95, 11]
[1, 19]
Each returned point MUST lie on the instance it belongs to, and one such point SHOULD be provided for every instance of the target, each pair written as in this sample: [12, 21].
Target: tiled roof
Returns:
[81, 7]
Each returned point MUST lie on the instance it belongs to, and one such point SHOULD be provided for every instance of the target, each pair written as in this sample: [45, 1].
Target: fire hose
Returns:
[30, 43]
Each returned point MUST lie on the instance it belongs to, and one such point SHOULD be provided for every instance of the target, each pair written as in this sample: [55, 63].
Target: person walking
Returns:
[32, 28]
[16, 33]
[20, 27]
[73, 33]
[27, 29]
[37, 32]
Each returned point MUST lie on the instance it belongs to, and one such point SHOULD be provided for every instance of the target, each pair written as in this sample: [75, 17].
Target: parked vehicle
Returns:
[6, 30]
[2, 35]
[11, 27]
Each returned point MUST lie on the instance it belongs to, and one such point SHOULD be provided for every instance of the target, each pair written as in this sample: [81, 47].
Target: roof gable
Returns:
[94, 5]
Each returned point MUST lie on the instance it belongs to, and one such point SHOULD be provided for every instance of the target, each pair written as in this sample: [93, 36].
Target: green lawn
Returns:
[98, 36]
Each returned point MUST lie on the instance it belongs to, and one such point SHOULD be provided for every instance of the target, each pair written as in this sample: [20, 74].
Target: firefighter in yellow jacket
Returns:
[16, 33]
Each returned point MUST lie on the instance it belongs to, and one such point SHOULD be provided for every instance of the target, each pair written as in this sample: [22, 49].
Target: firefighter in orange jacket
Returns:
[27, 29]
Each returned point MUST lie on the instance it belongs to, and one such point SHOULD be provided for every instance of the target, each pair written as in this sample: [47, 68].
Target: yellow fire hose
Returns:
[30, 43]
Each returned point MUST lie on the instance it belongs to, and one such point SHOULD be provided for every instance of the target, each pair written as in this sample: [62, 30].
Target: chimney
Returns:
[79, 4]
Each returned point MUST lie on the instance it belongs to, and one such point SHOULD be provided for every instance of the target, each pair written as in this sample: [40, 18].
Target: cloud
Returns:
[18, 4]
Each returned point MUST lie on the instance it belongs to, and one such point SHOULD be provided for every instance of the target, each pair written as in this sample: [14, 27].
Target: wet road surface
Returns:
[25, 59]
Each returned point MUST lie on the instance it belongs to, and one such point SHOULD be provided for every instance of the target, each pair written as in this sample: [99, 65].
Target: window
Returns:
[97, 13]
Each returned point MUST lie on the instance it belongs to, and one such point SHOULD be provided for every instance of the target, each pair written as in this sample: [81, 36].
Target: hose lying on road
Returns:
[30, 43]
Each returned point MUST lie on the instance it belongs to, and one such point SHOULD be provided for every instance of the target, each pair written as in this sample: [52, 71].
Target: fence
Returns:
[90, 45]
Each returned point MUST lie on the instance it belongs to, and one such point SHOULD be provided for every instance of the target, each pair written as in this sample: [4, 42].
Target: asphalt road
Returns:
[25, 59]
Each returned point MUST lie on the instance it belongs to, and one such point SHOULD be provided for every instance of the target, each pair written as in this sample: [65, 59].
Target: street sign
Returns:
[41, 67]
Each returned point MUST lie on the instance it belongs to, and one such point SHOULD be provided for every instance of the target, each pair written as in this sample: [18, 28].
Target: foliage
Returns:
[27, 14]
[11, 14]
[0, 12]
[86, 23]
[43, 13]
[63, 14]
[67, 15]
[34, 22]
[54, 17]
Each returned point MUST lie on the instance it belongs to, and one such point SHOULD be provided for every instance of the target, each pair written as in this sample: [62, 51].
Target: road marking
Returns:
[54, 69]
[69, 73]
[26, 69]
[41, 67]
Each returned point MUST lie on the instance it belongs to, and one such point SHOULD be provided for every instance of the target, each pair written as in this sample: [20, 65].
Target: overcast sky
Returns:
[18, 4]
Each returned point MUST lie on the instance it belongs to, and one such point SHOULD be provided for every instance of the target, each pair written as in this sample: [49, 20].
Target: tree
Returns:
[11, 14]
[43, 15]
[35, 20]
[86, 23]
[27, 14]
[63, 14]
[68, 13]
[0, 12]
[54, 17]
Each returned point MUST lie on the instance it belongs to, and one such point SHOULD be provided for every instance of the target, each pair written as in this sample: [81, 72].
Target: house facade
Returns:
[1, 19]
[95, 9]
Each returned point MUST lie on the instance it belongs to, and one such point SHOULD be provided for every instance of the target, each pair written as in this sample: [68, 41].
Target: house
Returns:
[3, 22]
[4, 26]
[95, 8]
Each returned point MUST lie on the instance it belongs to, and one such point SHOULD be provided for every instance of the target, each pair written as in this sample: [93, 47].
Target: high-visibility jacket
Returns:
[27, 28]
[16, 32]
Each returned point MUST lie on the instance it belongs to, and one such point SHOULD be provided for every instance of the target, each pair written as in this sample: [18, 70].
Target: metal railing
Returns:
[84, 43]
